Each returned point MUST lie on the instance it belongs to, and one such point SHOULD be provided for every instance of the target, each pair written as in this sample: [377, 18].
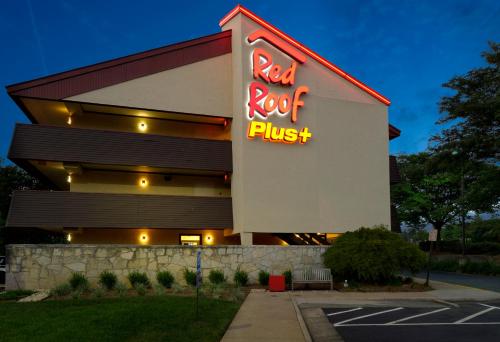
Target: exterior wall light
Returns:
[69, 237]
[70, 121]
[209, 239]
[69, 178]
[143, 182]
[142, 126]
[143, 238]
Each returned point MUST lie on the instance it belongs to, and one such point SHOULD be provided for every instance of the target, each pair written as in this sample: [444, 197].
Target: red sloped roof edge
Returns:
[303, 48]
[96, 76]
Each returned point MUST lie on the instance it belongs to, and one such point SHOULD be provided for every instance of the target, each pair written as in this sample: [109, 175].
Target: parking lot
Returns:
[479, 321]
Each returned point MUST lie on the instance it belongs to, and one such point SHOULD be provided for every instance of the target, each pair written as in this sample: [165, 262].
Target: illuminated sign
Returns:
[262, 102]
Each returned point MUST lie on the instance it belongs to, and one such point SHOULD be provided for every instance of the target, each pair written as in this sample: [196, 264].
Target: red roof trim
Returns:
[303, 48]
[96, 76]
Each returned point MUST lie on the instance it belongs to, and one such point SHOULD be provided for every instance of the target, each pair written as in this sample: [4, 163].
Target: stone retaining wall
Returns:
[45, 266]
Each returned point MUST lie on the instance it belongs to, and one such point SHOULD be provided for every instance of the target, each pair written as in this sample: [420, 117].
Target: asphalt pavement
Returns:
[490, 283]
[461, 322]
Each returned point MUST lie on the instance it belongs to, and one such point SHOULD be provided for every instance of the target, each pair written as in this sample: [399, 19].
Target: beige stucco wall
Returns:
[337, 182]
[45, 266]
[129, 183]
[199, 88]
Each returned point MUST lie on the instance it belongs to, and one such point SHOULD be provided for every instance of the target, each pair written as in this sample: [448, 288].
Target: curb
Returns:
[302, 323]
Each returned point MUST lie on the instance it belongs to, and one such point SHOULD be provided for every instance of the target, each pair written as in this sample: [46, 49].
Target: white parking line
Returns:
[415, 324]
[465, 319]
[364, 316]
[341, 312]
[415, 316]
[489, 306]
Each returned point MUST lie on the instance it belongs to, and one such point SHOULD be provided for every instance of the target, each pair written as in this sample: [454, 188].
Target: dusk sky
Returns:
[403, 49]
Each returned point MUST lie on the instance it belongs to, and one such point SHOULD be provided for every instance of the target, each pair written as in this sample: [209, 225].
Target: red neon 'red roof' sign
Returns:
[304, 49]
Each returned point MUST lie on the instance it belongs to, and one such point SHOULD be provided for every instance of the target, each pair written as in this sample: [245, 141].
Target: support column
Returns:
[246, 239]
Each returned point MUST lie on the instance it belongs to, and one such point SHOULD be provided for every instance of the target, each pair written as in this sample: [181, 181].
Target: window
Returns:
[190, 240]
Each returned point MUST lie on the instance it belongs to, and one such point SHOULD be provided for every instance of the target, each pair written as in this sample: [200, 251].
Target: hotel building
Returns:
[241, 137]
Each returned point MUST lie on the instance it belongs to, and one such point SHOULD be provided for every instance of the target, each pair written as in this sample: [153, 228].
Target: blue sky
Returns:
[403, 49]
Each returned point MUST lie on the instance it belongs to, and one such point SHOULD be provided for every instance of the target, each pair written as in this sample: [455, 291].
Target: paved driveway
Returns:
[490, 283]
[478, 321]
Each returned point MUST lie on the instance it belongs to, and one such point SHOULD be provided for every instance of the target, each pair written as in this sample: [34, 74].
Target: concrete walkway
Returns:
[265, 316]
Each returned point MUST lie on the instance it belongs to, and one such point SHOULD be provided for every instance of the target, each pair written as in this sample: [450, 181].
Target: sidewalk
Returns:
[265, 316]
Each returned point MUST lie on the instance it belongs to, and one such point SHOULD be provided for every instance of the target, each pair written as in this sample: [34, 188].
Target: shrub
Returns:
[76, 294]
[137, 278]
[449, 265]
[264, 278]
[483, 267]
[373, 255]
[61, 290]
[190, 277]
[216, 277]
[107, 280]
[78, 281]
[288, 277]
[121, 288]
[240, 277]
[140, 288]
[159, 289]
[491, 248]
[98, 292]
[165, 278]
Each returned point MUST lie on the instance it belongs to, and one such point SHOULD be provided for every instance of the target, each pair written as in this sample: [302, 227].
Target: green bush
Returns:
[107, 280]
[137, 278]
[491, 248]
[78, 281]
[165, 278]
[190, 277]
[373, 255]
[288, 277]
[240, 277]
[121, 289]
[61, 290]
[216, 277]
[98, 292]
[264, 278]
[140, 288]
[483, 267]
[449, 265]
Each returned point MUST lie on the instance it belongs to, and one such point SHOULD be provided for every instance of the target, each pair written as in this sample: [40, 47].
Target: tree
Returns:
[426, 193]
[473, 111]
[430, 190]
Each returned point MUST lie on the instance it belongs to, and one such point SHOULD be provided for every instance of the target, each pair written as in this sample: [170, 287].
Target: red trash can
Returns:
[277, 283]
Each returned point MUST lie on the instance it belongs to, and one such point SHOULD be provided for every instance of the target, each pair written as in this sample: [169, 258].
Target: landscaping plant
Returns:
[165, 278]
[216, 277]
[78, 282]
[288, 277]
[121, 289]
[137, 278]
[264, 278]
[140, 288]
[107, 280]
[61, 290]
[240, 277]
[372, 255]
[190, 277]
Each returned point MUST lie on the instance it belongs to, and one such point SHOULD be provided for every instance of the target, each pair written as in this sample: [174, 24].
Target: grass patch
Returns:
[155, 318]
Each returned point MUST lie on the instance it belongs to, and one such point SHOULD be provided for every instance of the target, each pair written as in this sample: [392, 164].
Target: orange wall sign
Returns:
[262, 102]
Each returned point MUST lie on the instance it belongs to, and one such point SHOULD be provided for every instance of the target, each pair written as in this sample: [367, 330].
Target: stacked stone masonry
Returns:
[45, 266]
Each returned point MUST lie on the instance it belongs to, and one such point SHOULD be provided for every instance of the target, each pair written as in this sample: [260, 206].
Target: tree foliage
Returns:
[473, 111]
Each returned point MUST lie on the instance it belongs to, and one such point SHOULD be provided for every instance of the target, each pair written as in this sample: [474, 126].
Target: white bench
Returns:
[312, 276]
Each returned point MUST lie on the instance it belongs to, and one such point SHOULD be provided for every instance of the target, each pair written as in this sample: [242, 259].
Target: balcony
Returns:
[63, 209]
[90, 146]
